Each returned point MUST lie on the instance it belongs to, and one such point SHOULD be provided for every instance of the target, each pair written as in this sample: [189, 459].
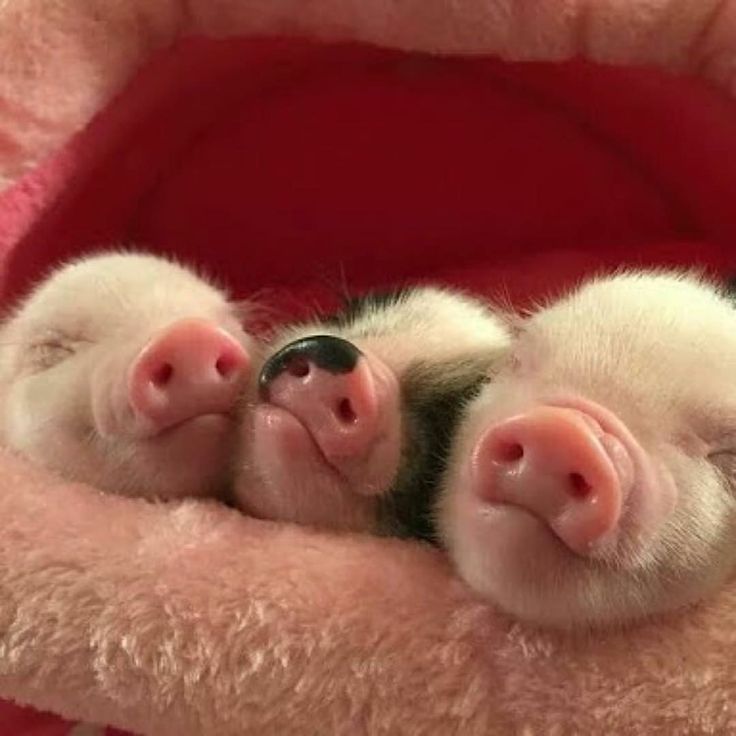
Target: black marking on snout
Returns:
[330, 353]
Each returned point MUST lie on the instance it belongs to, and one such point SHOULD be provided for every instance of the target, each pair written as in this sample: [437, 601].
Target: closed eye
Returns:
[48, 353]
[725, 462]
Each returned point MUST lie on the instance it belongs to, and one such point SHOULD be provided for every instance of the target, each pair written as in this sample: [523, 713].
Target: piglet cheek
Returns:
[650, 509]
[112, 414]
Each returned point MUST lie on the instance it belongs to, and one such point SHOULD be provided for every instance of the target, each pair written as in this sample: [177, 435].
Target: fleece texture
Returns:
[295, 149]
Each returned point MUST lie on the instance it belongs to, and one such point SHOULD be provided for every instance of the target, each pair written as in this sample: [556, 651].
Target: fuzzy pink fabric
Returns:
[96, 45]
[191, 619]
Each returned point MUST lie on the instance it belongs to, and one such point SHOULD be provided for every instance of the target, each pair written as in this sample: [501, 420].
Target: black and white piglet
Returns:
[358, 412]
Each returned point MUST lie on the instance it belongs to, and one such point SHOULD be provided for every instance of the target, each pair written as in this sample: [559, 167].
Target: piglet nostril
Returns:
[162, 376]
[345, 412]
[579, 487]
[507, 452]
[298, 367]
[512, 452]
[226, 367]
[330, 354]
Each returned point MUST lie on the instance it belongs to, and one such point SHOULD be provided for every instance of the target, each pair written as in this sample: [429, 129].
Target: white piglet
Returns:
[125, 371]
[594, 481]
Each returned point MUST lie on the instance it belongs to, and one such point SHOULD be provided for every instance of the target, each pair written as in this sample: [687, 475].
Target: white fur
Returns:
[432, 323]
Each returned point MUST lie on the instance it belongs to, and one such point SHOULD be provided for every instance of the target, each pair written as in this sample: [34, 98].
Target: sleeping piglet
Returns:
[594, 480]
[124, 370]
[357, 412]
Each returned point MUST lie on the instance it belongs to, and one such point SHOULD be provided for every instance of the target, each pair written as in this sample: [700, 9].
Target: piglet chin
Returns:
[286, 476]
[284, 447]
[207, 442]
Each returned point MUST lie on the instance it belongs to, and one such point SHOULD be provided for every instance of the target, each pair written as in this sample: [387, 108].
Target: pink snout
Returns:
[561, 466]
[328, 385]
[192, 368]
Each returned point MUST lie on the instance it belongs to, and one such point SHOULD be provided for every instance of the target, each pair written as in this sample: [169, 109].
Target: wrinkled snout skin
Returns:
[592, 483]
[133, 385]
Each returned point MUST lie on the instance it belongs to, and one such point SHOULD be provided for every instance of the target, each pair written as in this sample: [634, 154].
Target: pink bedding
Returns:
[292, 147]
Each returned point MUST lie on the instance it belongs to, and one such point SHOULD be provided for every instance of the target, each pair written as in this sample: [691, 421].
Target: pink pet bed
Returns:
[294, 148]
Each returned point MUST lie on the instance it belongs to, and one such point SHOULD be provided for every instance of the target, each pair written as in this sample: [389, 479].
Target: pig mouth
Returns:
[270, 413]
[219, 422]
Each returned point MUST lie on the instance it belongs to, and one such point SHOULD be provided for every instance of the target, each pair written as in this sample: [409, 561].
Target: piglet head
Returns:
[593, 481]
[356, 412]
[126, 370]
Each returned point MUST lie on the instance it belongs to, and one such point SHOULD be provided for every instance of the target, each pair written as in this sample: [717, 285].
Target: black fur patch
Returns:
[434, 400]
[356, 307]
[332, 354]
[731, 287]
